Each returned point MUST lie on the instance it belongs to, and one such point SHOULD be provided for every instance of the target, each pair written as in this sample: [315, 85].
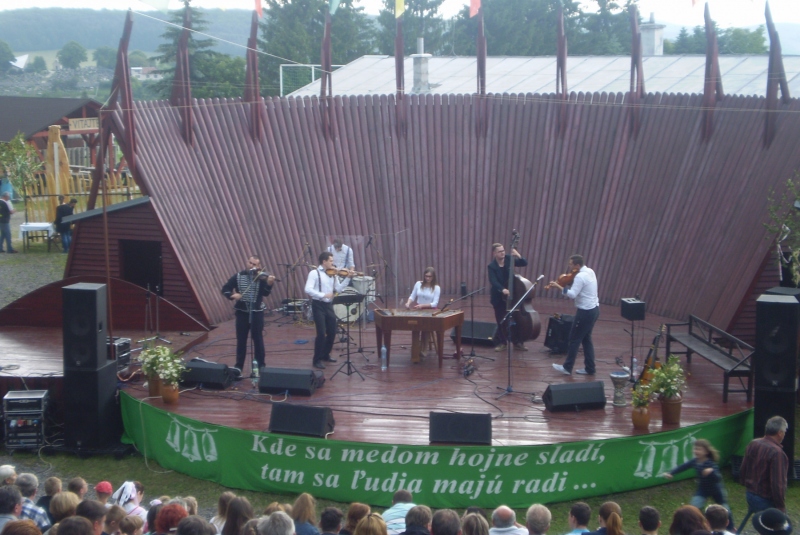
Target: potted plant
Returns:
[165, 367]
[669, 382]
[640, 399]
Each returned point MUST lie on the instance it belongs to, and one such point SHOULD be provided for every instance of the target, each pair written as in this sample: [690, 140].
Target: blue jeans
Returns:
[66, 240]
[581, 334]
[755, 504]
[5, 236]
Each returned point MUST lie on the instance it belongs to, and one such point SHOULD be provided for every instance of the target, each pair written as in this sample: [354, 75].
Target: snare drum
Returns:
[348, 313]
[365, 286]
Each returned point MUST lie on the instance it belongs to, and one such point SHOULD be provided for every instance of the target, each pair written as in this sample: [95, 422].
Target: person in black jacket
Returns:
[247, 288]
[498, 279]
[64, 229]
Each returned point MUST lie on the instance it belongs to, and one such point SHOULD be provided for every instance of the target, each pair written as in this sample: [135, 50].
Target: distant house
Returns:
[145, 73]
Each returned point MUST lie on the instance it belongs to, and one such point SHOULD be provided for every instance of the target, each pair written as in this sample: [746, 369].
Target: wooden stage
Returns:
[392, 407]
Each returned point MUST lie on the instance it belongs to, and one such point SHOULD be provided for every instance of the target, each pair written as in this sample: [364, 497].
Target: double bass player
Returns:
[499, 274]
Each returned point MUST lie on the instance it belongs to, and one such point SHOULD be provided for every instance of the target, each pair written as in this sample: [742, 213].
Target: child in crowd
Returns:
[131, 525]
[104, 490]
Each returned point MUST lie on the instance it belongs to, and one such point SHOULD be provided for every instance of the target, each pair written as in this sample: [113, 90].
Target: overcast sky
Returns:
[740, 13]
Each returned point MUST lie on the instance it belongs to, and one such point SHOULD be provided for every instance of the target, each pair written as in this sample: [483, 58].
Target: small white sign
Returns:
[88, 123]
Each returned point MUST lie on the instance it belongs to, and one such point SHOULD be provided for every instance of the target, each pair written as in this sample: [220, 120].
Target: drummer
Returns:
[342, 255]
[426, 294]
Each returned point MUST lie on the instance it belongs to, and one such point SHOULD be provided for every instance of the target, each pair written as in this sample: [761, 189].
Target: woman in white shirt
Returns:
[426, 294]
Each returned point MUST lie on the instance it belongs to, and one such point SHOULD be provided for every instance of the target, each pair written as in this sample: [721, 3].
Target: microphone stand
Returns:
[510, 319]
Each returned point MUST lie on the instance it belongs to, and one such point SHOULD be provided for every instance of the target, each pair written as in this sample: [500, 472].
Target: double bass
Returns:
[525, 317]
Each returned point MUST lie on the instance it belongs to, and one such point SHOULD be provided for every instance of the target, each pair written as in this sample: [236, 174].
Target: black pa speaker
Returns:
[461, 428]
[574, 396]
[92, 417]
[773, 402]
[783, 290]
[208, 374]
[558, 333]
[84, 325]
[297, 382]
[632, 309]
[482, 332]
[301, 420]
[775, 360]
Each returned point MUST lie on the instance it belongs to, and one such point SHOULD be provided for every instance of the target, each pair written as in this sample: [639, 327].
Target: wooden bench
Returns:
[716, 346]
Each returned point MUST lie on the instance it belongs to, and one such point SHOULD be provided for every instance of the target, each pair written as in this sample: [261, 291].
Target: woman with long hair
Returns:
[239, 512]
[304, 514]
[610, 519]
[474, 524]
[218, 521]
[426, 294]
[356, 512]
[372, 524]
[129, 495]
[688, 519]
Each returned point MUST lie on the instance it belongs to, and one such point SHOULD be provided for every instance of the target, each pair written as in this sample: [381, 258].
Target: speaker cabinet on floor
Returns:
[775, 359]
[558, 333]
[301, 420]
[208, 374]
[574, 397]
[92, 417]
[482, 332]
[460, 428]
[297, 382]
[84, 323]
[776, 402]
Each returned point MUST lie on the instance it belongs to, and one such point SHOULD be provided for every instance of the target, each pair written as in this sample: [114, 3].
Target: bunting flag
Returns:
[333, 5]
[399, 8]
[474, 7]
[259, 9]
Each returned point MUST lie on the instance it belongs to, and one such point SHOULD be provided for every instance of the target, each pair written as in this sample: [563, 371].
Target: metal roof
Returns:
[110, 209]
[741, 75]
[32, 114]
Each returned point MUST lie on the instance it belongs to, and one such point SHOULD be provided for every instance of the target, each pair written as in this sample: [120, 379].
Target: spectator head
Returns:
[445, 522]
[195, 525]
[274, 507]
[223, 502]
[772, 522]
[305, 509]
[79, 486]
[75, 525]
[355, 513]
[402, 496]
[8, 475]
[63, 505]
[330, 521]
[775, 426]
[610, 516]
[579, 515]
[131, 525]
[6, 195]
[95, 512]
[688, 519]
[191, 505]
[152, 514]
[503, 517]
[169, 517]
[10, 500]
[419, 516]
[475, 509]
[537, 519]
[104, 490]
[73, 201]
[717, 517]
[474, 524]
[60, 198]
[52, 486]
[21, 527]
[250, 527]
[278, 523]
[129, 491]
[239, 512]
[28, 484]
[704, 447]
[114, 516]
[372, 524]
[650, 520]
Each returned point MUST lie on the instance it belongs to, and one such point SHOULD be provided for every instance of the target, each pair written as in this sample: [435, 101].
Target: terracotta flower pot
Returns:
[154, 386]
[169, 393]
[641, 418]
[671, 411]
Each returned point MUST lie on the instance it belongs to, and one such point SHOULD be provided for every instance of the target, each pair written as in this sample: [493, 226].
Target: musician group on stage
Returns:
[336, 270]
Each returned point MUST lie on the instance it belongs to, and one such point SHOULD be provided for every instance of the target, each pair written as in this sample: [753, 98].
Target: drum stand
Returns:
[351, 369]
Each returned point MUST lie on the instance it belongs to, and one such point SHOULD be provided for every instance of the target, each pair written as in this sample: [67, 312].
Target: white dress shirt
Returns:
[584, 289]
[343, 258]
[425, 296]
[319, 283]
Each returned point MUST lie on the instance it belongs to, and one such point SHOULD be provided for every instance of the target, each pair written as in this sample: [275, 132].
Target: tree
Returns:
[218, 76]
[72, 55]
[607, 32]
[420, 19]
[37, 65]
[292, 32]
[106, 57]
[742, 41]
[687, 44]
[20, 162]
[6, 57]
[137, 58]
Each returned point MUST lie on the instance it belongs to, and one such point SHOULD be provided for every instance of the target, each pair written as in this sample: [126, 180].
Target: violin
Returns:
[264, 274]
[342, 273]
[565, 279]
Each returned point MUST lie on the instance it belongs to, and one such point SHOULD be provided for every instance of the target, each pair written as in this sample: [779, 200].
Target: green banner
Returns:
[438, 476]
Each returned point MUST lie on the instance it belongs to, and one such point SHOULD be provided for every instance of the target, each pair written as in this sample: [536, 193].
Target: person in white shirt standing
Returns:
[426, 294]
[342, 255]
[321, 286]
[584, 291]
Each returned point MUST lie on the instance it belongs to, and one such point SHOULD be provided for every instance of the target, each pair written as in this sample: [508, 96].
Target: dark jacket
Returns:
[498, 277]
[62, 211]
[241, 283]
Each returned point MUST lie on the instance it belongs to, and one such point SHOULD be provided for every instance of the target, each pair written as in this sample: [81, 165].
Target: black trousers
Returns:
[325, 322]
[502, 328]
[243, 327]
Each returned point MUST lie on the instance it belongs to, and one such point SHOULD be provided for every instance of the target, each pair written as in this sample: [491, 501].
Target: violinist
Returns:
[248, 288]
[321, 287]
[584, 291]
[498, 279]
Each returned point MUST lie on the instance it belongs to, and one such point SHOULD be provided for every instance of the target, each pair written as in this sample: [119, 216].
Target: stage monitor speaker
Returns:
[777, 327]
[557, 334]
[84, 325]
[208, 374]
[574, 397]
[298, 382]
[632, 309]
[92, 417]
[301, 420]
[460, 428]
[776, 402]
[482, 332]
[782, 290]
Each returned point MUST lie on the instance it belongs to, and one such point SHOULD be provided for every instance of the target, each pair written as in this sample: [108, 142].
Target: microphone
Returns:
[540, 277]
[463, 289]
[308, 248]
[369, 242]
